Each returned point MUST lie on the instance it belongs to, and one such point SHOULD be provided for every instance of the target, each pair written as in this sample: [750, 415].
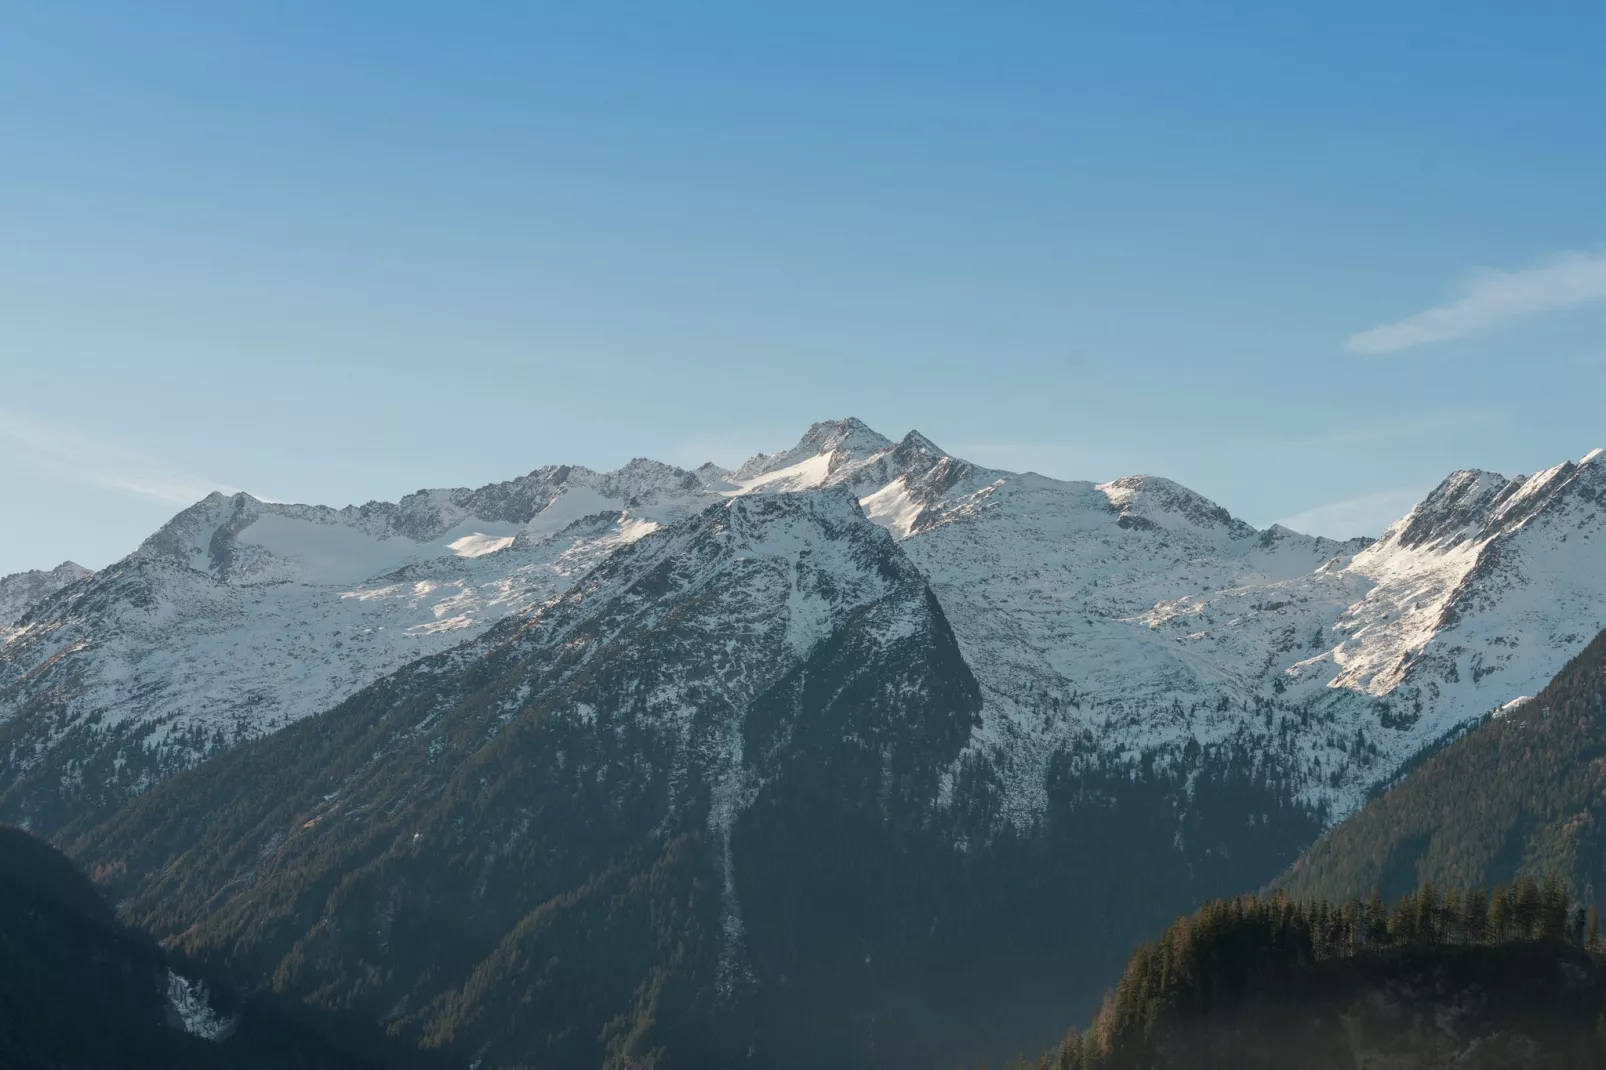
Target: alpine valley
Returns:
[852, 755]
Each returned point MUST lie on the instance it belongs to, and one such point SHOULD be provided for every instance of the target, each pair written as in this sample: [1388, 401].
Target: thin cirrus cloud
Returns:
[1368, 514]
[66, 454]
[1566, 280]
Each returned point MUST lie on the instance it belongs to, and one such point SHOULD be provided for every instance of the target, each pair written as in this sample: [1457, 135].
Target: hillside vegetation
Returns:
[79, 991]
[1508, 978]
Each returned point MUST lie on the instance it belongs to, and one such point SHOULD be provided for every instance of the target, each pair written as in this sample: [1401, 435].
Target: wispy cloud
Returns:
[1366, 515]
[72, 455]
[1566, 280]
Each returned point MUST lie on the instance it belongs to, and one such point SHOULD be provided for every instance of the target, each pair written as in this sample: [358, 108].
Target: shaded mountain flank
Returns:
[721, 804]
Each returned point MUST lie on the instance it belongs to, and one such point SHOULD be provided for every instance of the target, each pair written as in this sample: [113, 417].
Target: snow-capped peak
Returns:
[21, 591]
[1474, 505]
[1144, 498]
[838, 441]
[914, 440]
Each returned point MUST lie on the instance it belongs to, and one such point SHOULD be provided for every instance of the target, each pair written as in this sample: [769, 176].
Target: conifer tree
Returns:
[1377, 919]
[1525, 907]
[1354, 913]
[1554, 909]
[1454, 918]
[1499, 914]
[1427, 913]
[1402, 925]
[1477, 916]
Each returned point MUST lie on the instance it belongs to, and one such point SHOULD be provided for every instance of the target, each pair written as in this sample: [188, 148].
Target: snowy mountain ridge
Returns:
[1105, 620]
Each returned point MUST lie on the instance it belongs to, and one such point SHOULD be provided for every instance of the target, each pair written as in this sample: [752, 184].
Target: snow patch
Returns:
[1520, 700]
[804, 475]
[893, 507]
[479, 544]
[191, 1001]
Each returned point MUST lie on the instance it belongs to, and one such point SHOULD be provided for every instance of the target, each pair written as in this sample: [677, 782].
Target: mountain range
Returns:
[1134, 611]
[847, 743]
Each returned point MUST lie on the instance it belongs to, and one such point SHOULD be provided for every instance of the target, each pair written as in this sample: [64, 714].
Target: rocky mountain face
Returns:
[20, 591]
[241, 616]
[709, 792]
[1474, 599]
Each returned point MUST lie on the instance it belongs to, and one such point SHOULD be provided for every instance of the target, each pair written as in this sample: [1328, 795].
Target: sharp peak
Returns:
[1474, 502]
[849, 430]
[845, 423]
[66, 568]
[647, 464]
[915, 440]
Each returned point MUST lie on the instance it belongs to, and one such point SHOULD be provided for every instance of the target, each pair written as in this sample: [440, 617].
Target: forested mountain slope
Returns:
[79, 991]
[717, 805]
[1512, 981]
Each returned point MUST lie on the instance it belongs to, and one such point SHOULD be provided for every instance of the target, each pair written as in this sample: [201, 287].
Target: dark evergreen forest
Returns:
[80, 991]
[1512, 976]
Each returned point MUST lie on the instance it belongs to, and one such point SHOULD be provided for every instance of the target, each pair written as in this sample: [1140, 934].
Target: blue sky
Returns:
[1306, 259]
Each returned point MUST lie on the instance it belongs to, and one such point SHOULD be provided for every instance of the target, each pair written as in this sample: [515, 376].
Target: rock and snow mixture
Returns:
[22, 590]
[1120, 619]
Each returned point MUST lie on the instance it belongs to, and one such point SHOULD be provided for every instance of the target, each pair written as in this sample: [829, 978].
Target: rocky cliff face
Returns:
[20, 591]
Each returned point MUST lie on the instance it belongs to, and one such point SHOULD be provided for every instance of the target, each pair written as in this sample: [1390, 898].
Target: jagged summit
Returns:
[914, 440]
[837, 441]
[20, 591]
[1472, 504]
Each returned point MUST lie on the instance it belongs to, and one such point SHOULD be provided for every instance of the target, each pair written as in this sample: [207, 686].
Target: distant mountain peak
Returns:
[914, 440]
[1147, 498]
[1473, 504]
[846, 440]
[21, 591]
